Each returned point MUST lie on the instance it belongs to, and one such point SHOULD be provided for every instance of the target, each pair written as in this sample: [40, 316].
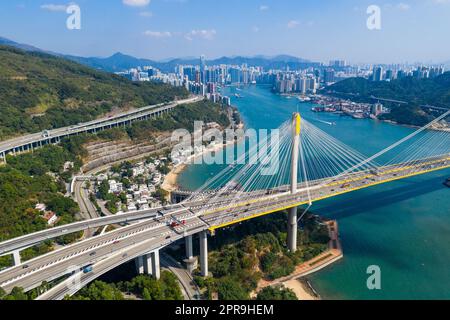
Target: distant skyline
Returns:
[411, 31]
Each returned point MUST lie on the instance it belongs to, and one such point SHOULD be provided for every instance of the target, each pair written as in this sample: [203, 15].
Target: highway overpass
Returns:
[201, 217]
[36, 140]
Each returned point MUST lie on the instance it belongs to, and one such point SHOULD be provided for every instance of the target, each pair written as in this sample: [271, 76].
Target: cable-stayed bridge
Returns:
[296, 166]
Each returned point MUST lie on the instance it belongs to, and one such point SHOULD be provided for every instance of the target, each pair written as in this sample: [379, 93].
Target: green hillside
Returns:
[40, 91]
[416, 92]
[434, 91]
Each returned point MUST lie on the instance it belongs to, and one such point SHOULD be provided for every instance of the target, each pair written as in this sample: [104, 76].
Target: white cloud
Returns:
[403, 6]
[54, 7]
[147, 14]
[255, 29]
[263, 8]
[136, 3]
[204, 34]
[292, 24]
[158, 34]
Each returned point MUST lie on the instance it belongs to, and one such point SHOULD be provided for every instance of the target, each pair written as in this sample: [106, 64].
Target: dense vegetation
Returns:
[416, 92]
[143, 287]
[41, 91]
[181, 117]
[244, 254]
[29, 179]
[39, 177]
[276, 293]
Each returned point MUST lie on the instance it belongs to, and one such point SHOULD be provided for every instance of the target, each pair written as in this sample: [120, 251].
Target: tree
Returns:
[230, 289]
[276, 293]
[16, 294]
[99, 290]
[103, 190]
[146, 294]
[171, 287]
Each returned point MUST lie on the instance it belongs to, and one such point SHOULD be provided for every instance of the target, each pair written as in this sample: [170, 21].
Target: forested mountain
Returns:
[417, 93]
[121, 62]
[39, 91]
[434, 91]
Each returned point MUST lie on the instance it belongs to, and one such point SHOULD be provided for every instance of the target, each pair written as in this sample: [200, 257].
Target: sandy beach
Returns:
[301, 289]
[170, 182]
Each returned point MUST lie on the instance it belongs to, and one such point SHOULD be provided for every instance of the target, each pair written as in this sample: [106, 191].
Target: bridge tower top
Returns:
[296, 127]
[297, 121]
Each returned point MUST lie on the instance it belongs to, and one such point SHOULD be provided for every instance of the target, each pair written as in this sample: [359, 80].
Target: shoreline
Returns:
[297, 281]
[302, 289]
[170, 182]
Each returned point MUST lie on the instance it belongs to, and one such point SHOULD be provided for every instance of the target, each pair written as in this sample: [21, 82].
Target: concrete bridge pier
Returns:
[139, 262]
[292, 230]
[190, 261]
[204, 253]
[149, 264]
[16, 257]
[152, 261]
[3, 157]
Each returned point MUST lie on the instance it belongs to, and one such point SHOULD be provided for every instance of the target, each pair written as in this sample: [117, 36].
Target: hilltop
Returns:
[41, 91]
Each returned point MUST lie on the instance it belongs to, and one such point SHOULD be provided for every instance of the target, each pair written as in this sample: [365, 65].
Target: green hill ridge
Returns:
[40, 91]
[415, 92]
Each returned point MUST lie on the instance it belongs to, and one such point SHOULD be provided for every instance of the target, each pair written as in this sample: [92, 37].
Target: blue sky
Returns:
[319, 30]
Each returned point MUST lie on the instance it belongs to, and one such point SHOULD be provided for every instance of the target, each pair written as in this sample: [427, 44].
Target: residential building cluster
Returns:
[389, 73]
[205, 80]
[49, 216]
[350, 108]
[137, 185]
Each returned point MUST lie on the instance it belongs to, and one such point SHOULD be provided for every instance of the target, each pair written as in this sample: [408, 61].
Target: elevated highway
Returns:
[209, 214]
[36, 140]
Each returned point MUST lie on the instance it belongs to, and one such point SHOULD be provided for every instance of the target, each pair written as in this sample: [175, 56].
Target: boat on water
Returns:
[358, 115]
[304, 99]
[327, 122]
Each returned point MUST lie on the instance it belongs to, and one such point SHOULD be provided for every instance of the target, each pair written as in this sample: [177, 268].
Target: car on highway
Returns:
[93, 253]
[88, 269]
[168, 237]
[25, 266]
[45, 133]
[174, 224]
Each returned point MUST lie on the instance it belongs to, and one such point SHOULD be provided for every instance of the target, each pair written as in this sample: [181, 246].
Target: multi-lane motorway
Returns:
[118, 246]
[65, 260]
[28, 142]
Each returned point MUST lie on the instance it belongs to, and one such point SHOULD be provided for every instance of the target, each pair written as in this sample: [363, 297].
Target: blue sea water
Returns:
[403, 227]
